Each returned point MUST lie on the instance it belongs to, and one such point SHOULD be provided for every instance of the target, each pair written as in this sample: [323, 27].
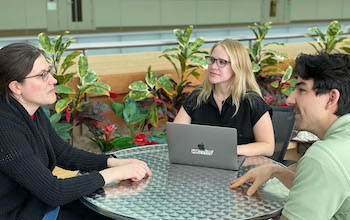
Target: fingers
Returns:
[254, 187]
[243, 179]
[140, 171]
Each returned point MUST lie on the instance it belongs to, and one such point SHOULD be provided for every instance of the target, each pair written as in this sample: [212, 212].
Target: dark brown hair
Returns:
[16, 62]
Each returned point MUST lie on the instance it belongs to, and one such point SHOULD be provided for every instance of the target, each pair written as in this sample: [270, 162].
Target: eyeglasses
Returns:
[220, 62]
[44, 75]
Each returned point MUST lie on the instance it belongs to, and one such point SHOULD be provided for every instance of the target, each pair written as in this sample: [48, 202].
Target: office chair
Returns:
[283, 125]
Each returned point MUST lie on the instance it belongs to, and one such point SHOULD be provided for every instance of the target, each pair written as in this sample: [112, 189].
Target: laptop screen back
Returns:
[203, 145]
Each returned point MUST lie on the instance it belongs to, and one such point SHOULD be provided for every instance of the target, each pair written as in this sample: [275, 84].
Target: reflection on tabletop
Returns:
[125, 188]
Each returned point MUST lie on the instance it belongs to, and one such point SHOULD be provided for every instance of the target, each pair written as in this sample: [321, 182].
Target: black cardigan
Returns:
[29, 151]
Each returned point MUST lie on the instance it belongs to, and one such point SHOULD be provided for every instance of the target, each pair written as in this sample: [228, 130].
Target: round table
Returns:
[186, 192]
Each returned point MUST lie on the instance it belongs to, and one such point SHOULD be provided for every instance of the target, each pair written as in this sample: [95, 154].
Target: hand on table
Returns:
[134, 170]
[256, 176]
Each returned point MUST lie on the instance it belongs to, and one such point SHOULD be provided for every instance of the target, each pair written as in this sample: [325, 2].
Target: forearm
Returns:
[284, 175]
[256, 148]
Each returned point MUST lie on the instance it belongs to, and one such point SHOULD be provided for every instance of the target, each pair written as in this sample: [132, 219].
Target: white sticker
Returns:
[202, 152]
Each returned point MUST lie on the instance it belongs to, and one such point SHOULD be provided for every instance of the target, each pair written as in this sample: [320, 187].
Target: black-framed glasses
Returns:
[44, 75]
[220, 62]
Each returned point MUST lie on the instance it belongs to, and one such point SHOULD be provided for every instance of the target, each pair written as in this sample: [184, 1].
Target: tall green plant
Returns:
[54, 51]
[275, 83]
[69, 99]
[186, 56]
[328, 41]
[154, 96]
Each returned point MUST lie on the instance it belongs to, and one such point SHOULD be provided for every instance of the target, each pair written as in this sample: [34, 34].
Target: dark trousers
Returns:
[78, 211]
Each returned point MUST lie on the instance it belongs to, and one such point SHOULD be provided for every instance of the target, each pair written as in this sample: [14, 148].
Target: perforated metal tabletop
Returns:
[185, 192]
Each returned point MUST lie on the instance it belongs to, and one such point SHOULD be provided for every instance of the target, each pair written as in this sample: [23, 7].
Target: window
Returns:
[273, 8]
[77, 13]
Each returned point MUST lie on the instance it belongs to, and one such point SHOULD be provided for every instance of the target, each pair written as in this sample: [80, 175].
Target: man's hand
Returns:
[257, 176]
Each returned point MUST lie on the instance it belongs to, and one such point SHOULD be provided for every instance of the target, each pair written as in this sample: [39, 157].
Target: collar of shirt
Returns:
[211, 100]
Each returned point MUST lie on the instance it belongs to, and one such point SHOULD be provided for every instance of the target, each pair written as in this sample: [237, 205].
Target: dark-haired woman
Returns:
[30, 148]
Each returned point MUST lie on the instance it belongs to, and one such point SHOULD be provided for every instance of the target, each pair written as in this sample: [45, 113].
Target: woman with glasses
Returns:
[30, 148]
[230, 97]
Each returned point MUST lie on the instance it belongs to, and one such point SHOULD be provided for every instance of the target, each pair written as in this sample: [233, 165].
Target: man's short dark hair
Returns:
[329, 71]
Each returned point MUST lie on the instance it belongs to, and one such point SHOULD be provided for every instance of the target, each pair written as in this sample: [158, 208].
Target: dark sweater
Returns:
[29, 151]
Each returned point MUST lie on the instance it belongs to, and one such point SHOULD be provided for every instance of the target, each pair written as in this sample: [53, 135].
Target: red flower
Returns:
[67, 112]
[151, 142]
[108, 129]
[140, 139]
[156, 99]
[283, 104]
[95, 124]
[286, 83]
[113, 95]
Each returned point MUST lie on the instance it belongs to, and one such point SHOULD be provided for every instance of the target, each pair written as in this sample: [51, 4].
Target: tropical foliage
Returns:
[72, 100]
[275, 82]
[154, 97]
[327, 42]
[187, 56]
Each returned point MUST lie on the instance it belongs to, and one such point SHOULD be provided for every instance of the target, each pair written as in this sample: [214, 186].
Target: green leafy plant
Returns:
[328, 41]
[54, 51]
[186, 56]
[162, 96]
[130, 112]
[153, 96]
[106, 141]
[275, 83]
[62, 129]
[70, 100]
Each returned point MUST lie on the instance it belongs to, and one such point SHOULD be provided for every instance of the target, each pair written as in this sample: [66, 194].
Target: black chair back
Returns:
[283, 121]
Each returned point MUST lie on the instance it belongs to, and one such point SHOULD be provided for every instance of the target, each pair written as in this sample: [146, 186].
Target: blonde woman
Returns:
[230, 97]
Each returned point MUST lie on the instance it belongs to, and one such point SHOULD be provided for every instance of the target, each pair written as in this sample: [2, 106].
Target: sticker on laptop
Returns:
[202, 151]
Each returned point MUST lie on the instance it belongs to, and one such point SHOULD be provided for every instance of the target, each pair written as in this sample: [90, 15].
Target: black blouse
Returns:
[250, 111]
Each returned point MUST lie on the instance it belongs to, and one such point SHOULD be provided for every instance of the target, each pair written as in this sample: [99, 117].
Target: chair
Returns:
[283, 121]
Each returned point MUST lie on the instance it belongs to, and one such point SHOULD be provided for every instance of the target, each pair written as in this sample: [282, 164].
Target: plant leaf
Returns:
[275, 84]
[165, 83]
[170, 50]
[117, 108]
[65, 89]
[89, 77]
[122, 142]
[139, 95]
[287, 75]
[97, 90]
[62, 104]
[151, 78]
[153, 115]
[82, 66]
[139, 86]
[99, 84]
[55, 118]
[44, 42]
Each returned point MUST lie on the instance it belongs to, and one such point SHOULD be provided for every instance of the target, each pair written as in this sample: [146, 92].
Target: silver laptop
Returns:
[203, 145]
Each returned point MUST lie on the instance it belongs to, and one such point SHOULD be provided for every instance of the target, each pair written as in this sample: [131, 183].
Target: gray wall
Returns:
[54, 15]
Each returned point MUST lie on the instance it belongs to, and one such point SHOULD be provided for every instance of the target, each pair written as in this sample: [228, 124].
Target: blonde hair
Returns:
[243, 80]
